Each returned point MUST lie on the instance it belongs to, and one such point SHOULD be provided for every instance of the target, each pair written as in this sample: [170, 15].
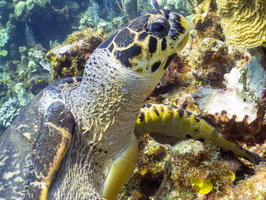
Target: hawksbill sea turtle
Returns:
[77, 139]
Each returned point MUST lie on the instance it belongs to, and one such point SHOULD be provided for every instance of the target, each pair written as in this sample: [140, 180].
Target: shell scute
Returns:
[34, 146]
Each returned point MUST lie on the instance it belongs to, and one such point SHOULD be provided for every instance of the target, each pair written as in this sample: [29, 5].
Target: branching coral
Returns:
[243, 22]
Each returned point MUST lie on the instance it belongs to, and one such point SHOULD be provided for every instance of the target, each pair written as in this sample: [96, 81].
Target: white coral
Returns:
[228, 101]
[9, 111]
[250, 78]
[3, 37]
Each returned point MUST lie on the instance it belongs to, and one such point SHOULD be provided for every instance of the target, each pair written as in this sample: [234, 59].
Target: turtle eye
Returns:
[158, 27]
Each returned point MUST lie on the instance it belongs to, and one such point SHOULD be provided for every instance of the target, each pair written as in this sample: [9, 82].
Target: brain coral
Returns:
[243, 22]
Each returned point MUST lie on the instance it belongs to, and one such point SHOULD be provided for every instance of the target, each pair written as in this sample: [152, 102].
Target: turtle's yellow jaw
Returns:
[148, 44]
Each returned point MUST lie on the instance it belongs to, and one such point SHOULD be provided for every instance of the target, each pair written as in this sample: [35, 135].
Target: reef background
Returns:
[29, 28]
[220, 75]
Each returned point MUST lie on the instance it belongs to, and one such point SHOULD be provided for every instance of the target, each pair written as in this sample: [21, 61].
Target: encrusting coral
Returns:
[243, 22]
[22, 78]
[3, 37]
[235, 80]
[20, 8]
[199, 173]
[191, 170]
[8, 111]
[69, 60]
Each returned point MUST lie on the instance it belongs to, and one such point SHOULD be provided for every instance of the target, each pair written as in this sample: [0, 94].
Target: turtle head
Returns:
[148, 44]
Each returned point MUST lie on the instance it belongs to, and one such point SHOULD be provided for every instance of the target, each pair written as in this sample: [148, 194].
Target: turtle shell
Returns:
[34, 145]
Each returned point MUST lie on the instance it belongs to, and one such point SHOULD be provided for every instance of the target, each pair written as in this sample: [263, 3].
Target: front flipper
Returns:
[121, 170]
[170, 124]
[34, 145]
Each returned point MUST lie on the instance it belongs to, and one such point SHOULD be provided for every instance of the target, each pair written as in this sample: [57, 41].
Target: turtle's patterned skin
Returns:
[75, 140]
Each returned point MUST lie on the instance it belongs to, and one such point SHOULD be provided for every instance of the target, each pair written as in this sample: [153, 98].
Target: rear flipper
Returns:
[170, 124]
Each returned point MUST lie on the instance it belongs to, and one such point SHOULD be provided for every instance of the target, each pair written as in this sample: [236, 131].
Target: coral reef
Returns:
[104, 14]
[25, 36]
[3, 37]
[70, 59]
[239, 109]
[249, 75]
[21, 80]
[180, 6]
[20, 8]
[8, 111]
[191, 170]
[215, 102]
[130, 8]
[243, 22]
[229, 91]
[229, 84]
